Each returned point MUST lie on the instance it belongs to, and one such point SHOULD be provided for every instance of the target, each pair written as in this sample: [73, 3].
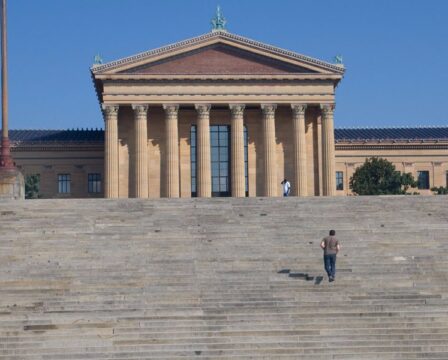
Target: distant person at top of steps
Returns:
[331, 247]
[286, 187]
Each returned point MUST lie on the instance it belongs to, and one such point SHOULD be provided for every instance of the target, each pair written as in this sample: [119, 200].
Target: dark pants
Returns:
[330, 265]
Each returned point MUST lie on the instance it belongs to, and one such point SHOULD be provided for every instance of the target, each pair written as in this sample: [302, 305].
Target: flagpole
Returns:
[5, 154]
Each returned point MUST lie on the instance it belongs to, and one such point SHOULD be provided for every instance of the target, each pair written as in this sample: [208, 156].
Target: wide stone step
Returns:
[223, 279]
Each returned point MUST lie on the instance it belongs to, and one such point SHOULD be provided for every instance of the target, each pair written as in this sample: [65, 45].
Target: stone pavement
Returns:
[223, 279]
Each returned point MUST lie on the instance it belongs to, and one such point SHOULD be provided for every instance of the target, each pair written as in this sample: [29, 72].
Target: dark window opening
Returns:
[339, 180]
[423, 179]
[94, 183]
[64, 182]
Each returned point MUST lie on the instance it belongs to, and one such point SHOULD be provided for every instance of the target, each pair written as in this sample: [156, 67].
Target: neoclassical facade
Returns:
[219, 115]
[282, 101]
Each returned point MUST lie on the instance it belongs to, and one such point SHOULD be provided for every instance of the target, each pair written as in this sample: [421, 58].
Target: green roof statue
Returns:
[219, 21]
[338, 60]
[98, 60]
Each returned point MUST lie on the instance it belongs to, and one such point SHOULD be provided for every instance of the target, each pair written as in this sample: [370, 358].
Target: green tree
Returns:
[379, 177]
[32, 184]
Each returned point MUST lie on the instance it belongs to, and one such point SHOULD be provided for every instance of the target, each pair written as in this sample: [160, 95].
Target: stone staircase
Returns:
[223, 279]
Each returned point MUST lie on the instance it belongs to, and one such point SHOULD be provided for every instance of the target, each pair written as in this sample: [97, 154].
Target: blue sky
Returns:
[395, 51]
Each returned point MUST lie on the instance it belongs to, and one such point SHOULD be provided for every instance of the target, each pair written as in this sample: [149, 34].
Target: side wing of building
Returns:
[67, 163]
[421, 151]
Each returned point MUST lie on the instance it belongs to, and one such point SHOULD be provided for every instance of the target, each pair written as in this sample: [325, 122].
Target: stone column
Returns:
[172, 150]
[320, 188]
[270, 151]
[110, 151]
[328, 151]
[300, 170]
[141, 150]
[204, 179]
[237, 150]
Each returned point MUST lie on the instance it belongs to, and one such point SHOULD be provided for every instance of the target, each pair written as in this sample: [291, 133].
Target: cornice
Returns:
[205, 77]
[165, 50]
[233, 94]
[99, 146]
[397, 146]
[391, 141]
[57, 146]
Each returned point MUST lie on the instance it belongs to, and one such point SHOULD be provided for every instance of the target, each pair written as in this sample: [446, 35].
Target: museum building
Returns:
[219, 115]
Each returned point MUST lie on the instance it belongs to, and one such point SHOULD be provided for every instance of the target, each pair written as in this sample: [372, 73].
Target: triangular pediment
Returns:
[218, 59]
[219, 53]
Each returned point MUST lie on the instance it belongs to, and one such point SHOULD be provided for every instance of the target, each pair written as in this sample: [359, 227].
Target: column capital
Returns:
[237, 109]
[140, 109]
[268, 109]
[327, 108]
[109, 110]
[171, 109]
[203, 109]
[299, 108]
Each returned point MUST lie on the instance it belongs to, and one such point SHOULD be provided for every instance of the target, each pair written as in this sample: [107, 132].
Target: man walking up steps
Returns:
[331, 247]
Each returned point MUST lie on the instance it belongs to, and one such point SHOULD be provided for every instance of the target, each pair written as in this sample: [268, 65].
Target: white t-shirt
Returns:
[286, 187]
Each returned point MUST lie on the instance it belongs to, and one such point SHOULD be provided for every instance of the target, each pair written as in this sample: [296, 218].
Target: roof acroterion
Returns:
[219, 21]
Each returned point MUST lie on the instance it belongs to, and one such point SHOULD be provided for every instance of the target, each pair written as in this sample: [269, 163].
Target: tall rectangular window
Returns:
[64, 181]
[220, 159]
[94, 183]
[246, 160]
[446, 179]
[339, 180]
[423, 179]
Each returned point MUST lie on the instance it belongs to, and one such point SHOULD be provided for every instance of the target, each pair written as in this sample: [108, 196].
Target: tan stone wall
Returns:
[255, 150]
[187, 117]
[314, 153]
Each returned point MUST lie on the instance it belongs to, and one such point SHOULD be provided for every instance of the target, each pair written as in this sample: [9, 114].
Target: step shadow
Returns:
[302, 276]
[284, 271]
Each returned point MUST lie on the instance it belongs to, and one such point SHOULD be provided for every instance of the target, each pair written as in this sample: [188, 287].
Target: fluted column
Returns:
[141, 150]
[270, 151]
[237, 150]
[111, 151]
[204, 180]
[172, 150]
[328, 152]
[299, 143]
